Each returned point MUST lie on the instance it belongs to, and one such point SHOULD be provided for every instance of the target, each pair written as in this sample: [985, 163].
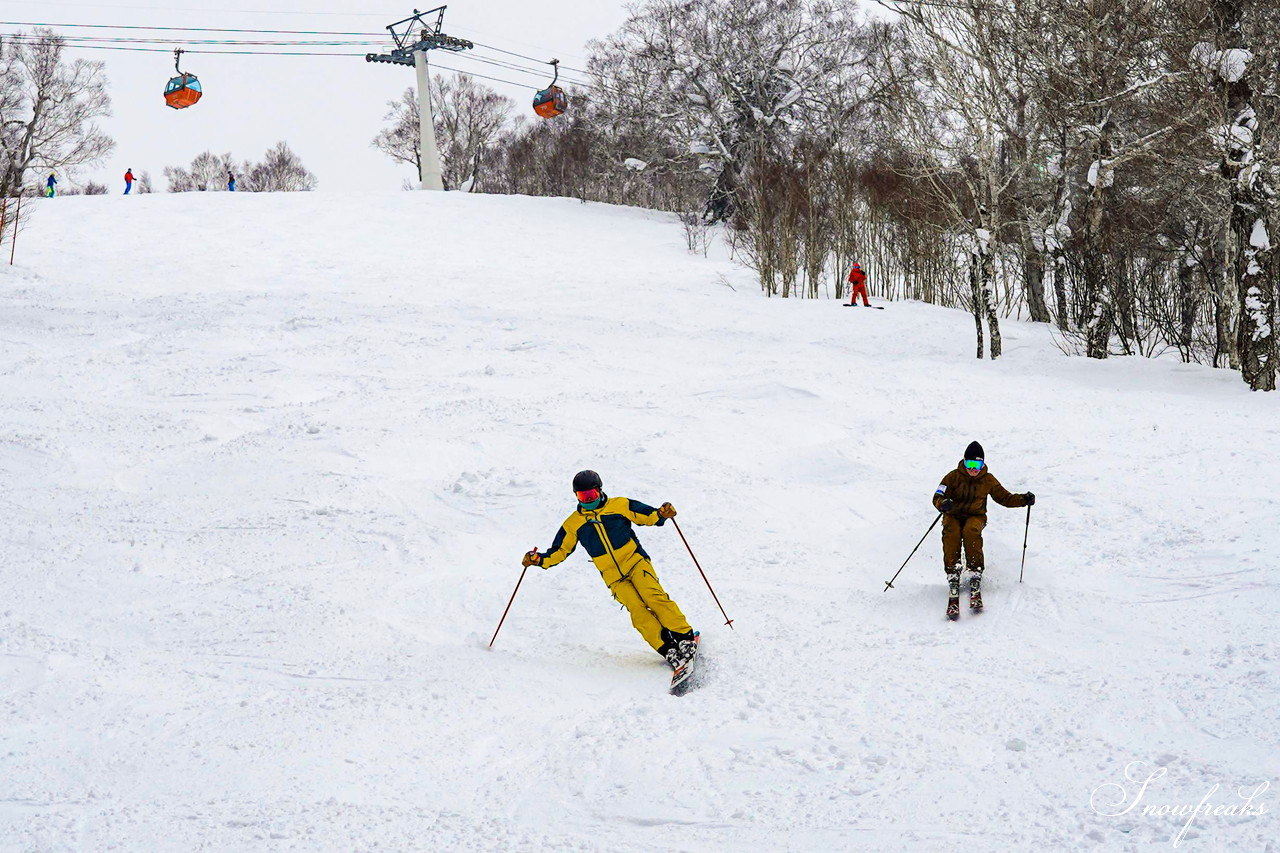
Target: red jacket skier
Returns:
[858, 286]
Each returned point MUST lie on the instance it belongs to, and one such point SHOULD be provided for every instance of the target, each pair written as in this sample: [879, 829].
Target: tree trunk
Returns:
[1033, 281]
[1122, 308]
[1249, 246]
[1097, 319]
[1099, 315]
[1224, 311]
[1187, 292]
[1255, 338]
[988, 302]
[975, 290]
[1060, 292]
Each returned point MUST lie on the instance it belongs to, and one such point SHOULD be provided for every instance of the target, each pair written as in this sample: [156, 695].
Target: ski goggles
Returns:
[587, 496]
[974, 464]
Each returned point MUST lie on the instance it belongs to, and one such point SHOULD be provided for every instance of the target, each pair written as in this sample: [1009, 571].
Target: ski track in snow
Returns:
[266, 488]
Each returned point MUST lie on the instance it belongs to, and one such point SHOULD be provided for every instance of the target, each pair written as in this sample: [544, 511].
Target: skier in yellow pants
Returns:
[603, 526]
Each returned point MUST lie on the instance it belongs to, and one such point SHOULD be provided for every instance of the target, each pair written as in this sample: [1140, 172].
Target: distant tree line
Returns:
[1106, 166]
[281, 171]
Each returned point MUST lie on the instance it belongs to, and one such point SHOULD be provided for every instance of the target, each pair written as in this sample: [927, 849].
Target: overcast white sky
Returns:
[327, 108]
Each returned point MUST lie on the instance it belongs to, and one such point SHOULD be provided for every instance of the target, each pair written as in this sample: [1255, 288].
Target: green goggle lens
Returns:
[974, 464]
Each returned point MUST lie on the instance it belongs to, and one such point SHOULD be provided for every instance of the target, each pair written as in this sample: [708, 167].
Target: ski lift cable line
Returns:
[381, 35]
[79, 40]
[526, 70]
[214, 52]
[104, 42]
[530, 58]
[255, 42]
[259, 32]
[110, 42]
[25, 38]
[205, 9]
[435, 65]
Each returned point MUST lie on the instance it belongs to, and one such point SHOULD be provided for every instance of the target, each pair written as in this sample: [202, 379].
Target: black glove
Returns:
[1030, 498]
[947, 505]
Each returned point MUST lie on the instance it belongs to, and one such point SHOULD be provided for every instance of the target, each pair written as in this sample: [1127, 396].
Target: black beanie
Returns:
[974, 451]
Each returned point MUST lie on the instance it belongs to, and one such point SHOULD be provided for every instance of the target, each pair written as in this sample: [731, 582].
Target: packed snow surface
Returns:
[270, 461]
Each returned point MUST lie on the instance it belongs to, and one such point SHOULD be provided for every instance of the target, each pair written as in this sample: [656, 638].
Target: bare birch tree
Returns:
[48, 109]
[1247, 171]
[468, 118]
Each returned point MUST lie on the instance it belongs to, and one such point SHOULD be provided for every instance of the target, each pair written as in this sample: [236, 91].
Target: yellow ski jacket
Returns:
[605, 532]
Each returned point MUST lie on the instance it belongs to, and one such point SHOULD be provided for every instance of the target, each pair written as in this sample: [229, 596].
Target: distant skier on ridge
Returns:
[962, 499]
[603, 526]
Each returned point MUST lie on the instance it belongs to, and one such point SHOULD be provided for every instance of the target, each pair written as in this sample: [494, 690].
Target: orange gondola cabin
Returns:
[183, 90]
[551, 101]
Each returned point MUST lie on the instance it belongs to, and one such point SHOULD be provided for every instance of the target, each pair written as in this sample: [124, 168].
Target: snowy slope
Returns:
[269, 464]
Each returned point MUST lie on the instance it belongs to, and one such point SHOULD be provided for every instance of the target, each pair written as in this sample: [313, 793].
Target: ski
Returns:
[975, 593]
[681, 678]
[953, 596]
[855, 305]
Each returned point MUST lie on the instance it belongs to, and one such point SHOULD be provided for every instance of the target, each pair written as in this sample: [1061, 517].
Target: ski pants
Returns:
[966, 530]
[650, 607]
[858, 290]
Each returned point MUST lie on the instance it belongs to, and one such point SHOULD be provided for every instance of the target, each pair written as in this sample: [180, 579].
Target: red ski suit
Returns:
[858, 286]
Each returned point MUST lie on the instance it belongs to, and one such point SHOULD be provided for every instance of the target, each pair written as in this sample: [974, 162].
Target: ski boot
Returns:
[953, 595]
[678, 648]
[975, 588]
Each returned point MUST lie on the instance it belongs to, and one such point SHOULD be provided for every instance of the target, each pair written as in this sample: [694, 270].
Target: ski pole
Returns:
[504, 613]
[889, 583]
[1025, 531]
[727, 620]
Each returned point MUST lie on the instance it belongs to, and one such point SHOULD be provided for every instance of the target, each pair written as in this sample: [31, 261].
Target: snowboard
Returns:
[682, 677]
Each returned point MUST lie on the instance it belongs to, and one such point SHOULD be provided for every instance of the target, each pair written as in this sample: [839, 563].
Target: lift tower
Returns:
[410, 52]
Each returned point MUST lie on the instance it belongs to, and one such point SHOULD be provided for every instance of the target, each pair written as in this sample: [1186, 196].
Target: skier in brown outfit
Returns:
[962, 499]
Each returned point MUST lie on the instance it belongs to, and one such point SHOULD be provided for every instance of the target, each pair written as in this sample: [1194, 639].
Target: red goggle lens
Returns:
[588, 495]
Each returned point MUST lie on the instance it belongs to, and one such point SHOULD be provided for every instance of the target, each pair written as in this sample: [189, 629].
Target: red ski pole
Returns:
[1025, 531]
[727, 620]
[509, 603]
